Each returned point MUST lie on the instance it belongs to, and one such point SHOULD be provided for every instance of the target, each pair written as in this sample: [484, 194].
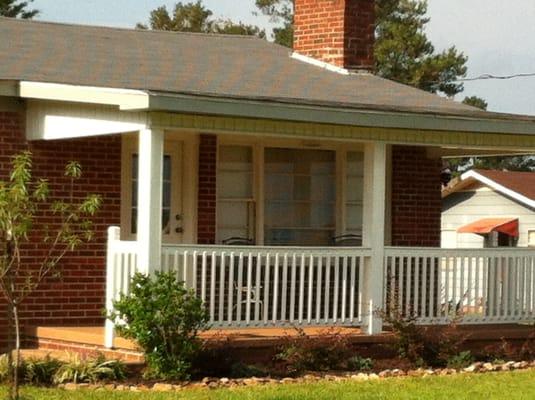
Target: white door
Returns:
[172, 209]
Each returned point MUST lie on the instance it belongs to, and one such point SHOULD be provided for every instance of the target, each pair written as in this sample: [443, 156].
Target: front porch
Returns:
[284, 287]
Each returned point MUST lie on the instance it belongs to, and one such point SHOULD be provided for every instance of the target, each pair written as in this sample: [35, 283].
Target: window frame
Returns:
[260, 144]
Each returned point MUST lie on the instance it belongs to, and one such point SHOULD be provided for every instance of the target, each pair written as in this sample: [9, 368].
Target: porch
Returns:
[245, 287]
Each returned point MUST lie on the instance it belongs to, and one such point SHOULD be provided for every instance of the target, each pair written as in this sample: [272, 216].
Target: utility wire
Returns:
[498, 77]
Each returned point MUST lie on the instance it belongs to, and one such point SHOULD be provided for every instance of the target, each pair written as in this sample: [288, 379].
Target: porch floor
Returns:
[243, 337]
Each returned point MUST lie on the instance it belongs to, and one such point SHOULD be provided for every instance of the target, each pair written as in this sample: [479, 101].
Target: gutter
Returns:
[274, 109]
[342, 115]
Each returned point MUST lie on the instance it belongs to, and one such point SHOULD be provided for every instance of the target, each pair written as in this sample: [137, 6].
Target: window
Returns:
[235, 200]
[300, 196]
[354, 193]
[531, 238]
[166, 194]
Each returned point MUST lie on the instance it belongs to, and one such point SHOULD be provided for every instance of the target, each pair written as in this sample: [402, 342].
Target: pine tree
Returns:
[17, 9]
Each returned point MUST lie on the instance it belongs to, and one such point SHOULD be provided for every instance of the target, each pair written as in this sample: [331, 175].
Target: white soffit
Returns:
[125, 99]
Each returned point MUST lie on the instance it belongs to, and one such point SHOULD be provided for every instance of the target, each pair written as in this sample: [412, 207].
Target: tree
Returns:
[22, 200]
[17, 9]
[402, 50]
[195, 17]
[475, 101]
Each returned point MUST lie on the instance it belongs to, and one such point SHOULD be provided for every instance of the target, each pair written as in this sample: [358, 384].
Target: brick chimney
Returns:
[338, 32]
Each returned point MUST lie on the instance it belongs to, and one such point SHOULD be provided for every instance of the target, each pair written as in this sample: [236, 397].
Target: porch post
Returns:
[149, 210]
[375, 162]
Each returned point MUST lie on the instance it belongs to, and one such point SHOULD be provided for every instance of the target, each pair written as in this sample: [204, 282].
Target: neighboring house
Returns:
[287, 187]
[486, 208]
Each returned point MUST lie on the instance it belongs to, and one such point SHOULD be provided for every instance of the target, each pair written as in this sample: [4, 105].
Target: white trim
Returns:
[321, 64]
[499, 188]
[126, 99]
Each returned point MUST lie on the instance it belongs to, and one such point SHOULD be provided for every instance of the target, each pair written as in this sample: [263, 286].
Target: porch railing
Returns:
[473, 285]
[302, 286]
[272, 286]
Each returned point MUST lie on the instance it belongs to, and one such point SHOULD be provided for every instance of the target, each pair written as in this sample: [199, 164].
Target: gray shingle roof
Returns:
[215, 65]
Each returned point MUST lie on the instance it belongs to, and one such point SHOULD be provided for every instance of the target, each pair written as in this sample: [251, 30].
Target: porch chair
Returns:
[349, 240]
[253, 292]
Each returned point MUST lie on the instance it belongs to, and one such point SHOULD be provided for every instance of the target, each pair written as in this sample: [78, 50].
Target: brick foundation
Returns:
[206, 204]
[416, 199]
[77, 297]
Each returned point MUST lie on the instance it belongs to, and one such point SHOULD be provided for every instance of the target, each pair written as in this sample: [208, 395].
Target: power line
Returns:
[496, 77]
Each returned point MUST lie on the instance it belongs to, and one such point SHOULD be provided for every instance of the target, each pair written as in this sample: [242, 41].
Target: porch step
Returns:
[84, 341]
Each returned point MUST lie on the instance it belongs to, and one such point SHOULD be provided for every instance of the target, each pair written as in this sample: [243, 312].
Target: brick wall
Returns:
[416, 200]
[206, 204]
[340, 32]
[78, 296]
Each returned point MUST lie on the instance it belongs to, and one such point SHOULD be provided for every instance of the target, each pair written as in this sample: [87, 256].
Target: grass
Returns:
[517, 385]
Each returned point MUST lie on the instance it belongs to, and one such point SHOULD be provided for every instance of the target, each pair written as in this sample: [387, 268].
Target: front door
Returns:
[172, 202]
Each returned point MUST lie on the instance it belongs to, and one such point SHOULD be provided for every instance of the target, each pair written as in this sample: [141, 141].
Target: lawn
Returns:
[510, 386]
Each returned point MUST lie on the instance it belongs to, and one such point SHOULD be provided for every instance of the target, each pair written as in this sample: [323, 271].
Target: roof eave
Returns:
[341, 115]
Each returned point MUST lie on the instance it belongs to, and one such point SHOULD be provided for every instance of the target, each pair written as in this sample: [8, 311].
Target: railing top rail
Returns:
[452, 252]
[269, 249]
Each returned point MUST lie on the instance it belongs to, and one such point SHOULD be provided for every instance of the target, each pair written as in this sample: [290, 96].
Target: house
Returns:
[486, 208]
[286, 187]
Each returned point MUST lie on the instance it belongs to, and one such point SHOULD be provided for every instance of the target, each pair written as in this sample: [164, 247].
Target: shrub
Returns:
[164, 318]
[358, 363]
[80, 370]
[241, 370]
[424, 345]
[5, 371]
[41, 371]
[328, 351]
[461, 360]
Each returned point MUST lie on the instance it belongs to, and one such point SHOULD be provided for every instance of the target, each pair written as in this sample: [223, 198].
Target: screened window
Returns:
[236, 207]
[300, 196]
[166, 194]
[354, 193]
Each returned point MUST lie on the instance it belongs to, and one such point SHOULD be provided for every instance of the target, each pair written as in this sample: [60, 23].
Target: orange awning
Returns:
[484, 226]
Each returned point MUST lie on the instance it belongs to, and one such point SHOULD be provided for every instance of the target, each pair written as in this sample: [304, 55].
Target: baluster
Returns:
[310, 287]
[266, 289]
[301, 288]
[275, 312]
[222, 289]
[326, 309]
[319, 285]
[230, 311]
[352, 289]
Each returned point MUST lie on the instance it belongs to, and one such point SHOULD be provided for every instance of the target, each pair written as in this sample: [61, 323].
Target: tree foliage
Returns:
[475, 101]
[195, 17]
[17, 9]
[22, 200]
[164, 317]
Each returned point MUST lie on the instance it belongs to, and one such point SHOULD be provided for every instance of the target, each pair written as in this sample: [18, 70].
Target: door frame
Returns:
[183, 195]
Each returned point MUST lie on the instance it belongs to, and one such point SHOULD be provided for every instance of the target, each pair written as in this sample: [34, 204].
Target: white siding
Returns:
[478, 202]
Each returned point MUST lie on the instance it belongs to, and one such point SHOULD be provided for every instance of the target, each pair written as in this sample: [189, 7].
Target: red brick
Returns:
[340, 32]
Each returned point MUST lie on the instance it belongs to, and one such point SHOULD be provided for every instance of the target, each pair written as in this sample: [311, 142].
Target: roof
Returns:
[484, 226]
[517, 185]
[200, 64]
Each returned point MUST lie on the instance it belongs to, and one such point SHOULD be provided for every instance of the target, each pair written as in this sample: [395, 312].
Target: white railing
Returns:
[272, 286]
[303, 286]
[475, 285]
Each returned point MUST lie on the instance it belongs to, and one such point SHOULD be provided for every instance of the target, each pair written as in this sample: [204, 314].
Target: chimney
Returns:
[338, 32]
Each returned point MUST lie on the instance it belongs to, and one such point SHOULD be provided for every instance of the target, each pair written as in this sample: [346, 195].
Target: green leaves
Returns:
[16, 9]
[164, 318]
[195, 17]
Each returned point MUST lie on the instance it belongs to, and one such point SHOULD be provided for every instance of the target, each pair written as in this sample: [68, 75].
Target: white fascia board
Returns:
[499, 188]
[125, 99]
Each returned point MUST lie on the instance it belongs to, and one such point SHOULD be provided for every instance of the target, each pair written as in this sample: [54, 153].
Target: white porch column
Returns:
[375, 161]
[149, 204]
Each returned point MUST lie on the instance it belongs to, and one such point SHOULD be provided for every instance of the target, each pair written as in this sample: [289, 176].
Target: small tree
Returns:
[17, 9]
[22, 199]
[164, 318]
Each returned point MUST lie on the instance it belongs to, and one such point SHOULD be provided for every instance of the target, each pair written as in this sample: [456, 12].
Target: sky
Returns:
[498, 36]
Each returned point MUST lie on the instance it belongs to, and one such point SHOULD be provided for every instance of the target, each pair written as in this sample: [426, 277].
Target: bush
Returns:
[164, 318]
[41, 371]
[327, 351]
[424, 345]
[461, 360]
[91, 370]
[5, 370]
[241, 370]
[358, 363]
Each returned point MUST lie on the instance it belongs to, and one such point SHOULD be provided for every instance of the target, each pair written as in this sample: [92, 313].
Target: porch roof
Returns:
[210, 67]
